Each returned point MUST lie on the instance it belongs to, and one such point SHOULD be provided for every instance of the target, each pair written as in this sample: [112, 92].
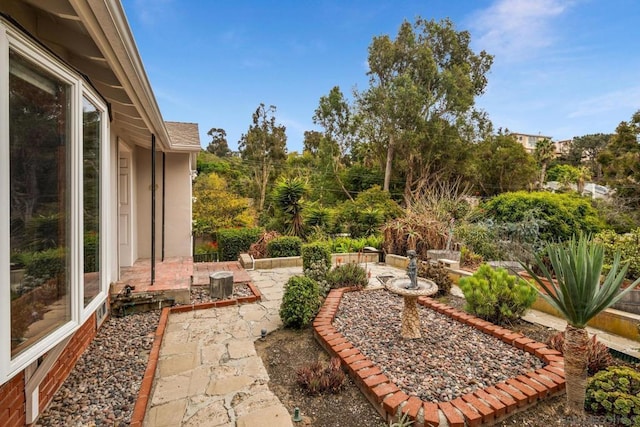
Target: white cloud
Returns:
[517, 29]
[150, 12]
[619, 100]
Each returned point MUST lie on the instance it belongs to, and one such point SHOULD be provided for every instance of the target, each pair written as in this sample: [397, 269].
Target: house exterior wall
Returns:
[177, 221]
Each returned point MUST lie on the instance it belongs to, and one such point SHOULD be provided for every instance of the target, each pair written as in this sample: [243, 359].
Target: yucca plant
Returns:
[576, 289]
[288, 195]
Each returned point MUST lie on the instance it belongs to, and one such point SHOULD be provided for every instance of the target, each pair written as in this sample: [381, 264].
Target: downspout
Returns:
[153, 209]
[164, 200]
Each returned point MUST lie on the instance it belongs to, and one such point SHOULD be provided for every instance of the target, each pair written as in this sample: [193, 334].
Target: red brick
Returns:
[542, 389]
[553, 377]
[543, 352]
[520, 397]
[375, 380]
[558, 371]
[521, 342]
[359, 364]
[348, 352]
[391, 403]
[339, 339]
[530, 392]
[552, 358]
[472, 417]
[367, 372]
[503, 397]
[431, 414]
[500, 332]
[383, 390]
[485, 410]
[532, 347]
[454, 417]
[551, 386]
[412, 407]
[510, 338]
[338, 347]
[498, 407]
[355, 357]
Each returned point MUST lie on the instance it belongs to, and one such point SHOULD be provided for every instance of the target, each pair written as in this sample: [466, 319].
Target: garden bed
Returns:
[479, 403]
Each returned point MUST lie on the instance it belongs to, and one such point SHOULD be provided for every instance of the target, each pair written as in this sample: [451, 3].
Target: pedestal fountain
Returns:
[411, 288]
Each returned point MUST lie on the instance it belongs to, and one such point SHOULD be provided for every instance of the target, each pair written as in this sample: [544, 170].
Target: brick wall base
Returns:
[12, 393]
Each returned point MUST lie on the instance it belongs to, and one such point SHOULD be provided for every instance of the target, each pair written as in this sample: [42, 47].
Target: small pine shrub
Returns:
[316, 378]
[316, 251]
[300, 302]
[439, 274]
[598, 355]
[346, 275]
[615, 393]
[496, 296]
[284, 246]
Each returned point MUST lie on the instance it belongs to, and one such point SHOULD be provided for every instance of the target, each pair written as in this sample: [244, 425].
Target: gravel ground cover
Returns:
[450, 359]
[102, 388]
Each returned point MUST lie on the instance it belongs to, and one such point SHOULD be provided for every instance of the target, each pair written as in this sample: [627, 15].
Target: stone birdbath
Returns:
[411, 288]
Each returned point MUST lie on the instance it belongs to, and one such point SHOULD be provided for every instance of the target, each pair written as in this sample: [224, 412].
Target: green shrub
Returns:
[627, 244]
[496, 296]
[47, 264]
[317, 271]
[438, 274]
[91, 253]
[346, 275]
[314, 252]
[615, 393]
[233, 241]
[366, 214]
[480, 238]
[561, 215]
[300, 302]
[284, 246]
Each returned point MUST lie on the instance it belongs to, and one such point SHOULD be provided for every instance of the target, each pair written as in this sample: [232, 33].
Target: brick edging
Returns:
[142, 401]
[481, 407]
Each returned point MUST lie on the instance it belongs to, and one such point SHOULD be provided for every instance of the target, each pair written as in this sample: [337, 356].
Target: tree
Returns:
[264, 147]
[585, 149]
[620, 161]
[574, 288]
[311, 141]
[501, 164]
[218, 144]
[545, 152]
[215, 207]
[422, 91]
[334, 115]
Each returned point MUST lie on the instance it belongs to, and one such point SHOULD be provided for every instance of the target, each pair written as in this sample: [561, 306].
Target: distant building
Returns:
[529, 142]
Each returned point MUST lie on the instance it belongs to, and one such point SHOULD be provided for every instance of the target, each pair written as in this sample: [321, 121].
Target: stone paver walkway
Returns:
[209, 373]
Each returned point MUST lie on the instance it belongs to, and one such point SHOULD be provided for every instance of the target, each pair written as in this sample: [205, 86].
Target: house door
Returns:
[124, 209]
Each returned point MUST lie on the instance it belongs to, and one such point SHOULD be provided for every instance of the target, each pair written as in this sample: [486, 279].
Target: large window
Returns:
[91, 127]
[53, 129]
[39, 152]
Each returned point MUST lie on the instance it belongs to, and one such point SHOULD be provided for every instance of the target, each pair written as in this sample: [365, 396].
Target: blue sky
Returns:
[562, 68]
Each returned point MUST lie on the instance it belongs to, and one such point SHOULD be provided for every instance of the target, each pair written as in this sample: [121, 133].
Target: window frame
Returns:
[15, 40]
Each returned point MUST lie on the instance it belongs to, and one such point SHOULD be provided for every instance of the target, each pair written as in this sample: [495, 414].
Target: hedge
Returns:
[284, 246]
[233, 241]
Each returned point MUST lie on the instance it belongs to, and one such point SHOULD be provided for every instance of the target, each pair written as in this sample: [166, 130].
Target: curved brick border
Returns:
[481, 407]
[140, 408]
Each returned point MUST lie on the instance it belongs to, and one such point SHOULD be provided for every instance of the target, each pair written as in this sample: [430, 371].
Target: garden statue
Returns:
[412, 270]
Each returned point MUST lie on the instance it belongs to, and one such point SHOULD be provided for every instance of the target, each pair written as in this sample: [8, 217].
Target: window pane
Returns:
[91, 118]
[39, 153]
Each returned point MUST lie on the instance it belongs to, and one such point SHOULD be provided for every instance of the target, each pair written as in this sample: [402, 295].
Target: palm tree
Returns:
[579, 294]
[545, 152]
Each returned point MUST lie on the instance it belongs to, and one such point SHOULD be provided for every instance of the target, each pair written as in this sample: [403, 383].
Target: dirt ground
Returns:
[284, 351]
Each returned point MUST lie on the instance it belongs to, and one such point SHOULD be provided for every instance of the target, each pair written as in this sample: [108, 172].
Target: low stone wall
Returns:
[296, 261]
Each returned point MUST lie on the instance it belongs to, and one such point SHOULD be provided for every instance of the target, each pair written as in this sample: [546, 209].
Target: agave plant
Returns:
[576, 289]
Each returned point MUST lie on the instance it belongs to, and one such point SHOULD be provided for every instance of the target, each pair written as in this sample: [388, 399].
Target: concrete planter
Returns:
[296, 261]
